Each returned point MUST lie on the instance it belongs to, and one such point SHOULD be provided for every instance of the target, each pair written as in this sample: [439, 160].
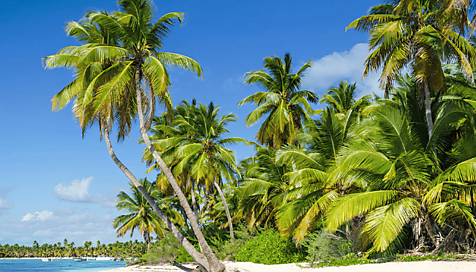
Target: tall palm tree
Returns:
[285, 104]
[422, 34]
[132, 75]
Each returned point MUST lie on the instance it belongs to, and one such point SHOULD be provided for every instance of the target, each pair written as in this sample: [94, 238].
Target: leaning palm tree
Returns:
[122, 83]
[285, 104]
[421, 34]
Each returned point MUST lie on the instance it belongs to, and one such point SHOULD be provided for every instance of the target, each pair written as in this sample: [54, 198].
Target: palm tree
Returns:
[342, 99]
[196, 142]
[263, 189]
[285, 104]
[140, 214]
[422, 34]
[134, 66]
[71, 249]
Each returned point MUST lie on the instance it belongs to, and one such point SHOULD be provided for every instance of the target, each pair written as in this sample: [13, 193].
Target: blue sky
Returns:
[54, 184]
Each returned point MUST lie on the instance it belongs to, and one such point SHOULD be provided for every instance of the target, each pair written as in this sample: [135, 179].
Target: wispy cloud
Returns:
[348, 65]
[37, 216]
[4, 203]
[76, 192]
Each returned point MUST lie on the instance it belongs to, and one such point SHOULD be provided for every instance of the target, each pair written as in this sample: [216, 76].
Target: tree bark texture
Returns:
[194, 201]
[429, 117]
[228, 215]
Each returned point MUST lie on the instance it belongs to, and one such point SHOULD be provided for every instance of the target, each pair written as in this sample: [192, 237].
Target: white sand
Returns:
[427, 266]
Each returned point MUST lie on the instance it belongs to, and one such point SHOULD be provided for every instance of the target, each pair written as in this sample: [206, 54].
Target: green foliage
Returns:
[353, 259]
[183, 256]
[225, 250]
[326, 247]
[350, 259]
[166, 250]
[269, 248]
[139, 214]
[283, 103]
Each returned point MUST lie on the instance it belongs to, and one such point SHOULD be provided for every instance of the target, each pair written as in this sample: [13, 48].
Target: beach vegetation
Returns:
[269, 248]
[163, 250]
[324, 247]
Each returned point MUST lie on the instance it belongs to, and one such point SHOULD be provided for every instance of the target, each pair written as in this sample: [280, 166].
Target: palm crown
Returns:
[286, 105]
[121, 49]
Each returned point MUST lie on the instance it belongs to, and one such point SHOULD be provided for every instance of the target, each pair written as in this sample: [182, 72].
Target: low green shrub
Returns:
[225, 250]
[413, 258]
[164, 250]
[184, 257]
[350, 259]
[326, 247]
[269, 248]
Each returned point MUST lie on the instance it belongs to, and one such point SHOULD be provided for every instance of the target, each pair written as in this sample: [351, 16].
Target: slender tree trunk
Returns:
[184, 215]
[417, 234]
[387, 90]
[431, 233]
[429, 117]
[225, 204]
[147, 240]
[194, 201]
[214, 264]
[197, 256]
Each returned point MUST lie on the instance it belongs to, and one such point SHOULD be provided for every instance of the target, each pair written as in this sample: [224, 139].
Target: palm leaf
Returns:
[349, 206]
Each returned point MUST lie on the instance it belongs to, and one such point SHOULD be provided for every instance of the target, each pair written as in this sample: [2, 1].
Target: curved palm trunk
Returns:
[197, 256]
[214, 264]
[225, 204]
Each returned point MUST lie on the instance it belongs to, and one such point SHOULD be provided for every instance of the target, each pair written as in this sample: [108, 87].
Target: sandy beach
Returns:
[426, 266]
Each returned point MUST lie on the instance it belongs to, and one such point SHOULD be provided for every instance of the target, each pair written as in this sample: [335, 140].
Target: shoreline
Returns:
[421, 266]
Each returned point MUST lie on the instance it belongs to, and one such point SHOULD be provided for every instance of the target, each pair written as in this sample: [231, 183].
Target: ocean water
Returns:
[37, 265]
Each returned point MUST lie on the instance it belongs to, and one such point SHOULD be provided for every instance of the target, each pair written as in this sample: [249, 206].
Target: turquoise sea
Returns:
[57, 265]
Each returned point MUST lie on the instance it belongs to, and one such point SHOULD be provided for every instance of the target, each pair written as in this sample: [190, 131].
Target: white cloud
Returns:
[37, 216]
[76, 192]
[349, 65]
[4, 203]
